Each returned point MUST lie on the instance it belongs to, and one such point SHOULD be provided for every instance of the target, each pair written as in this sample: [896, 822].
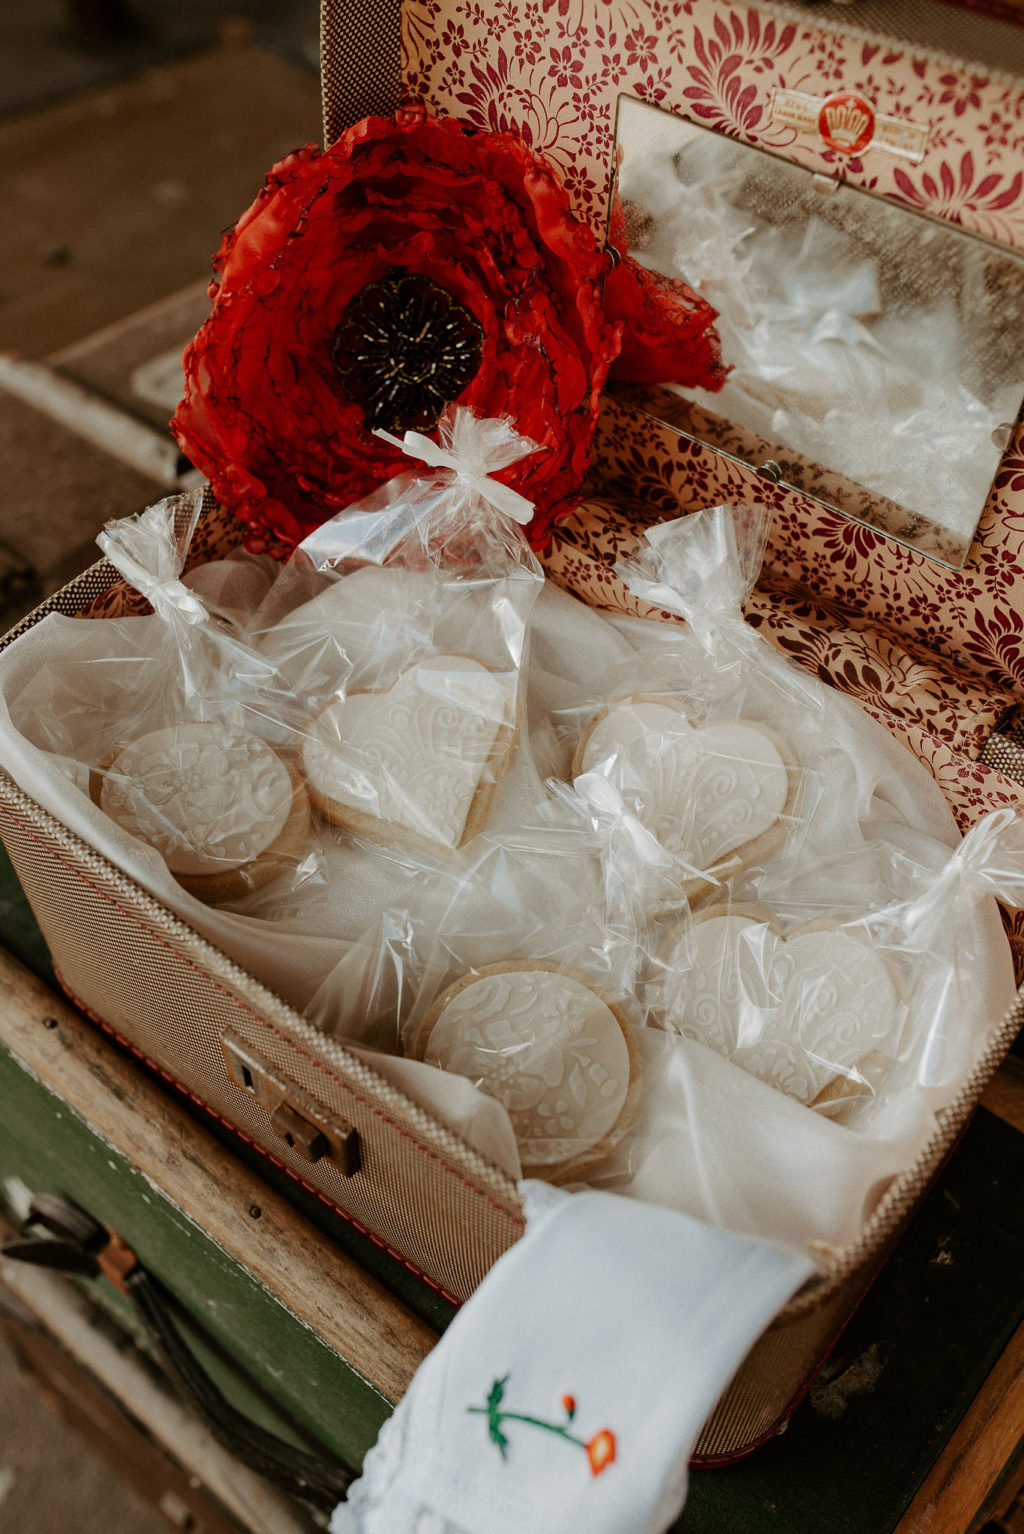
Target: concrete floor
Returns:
[125, 158]
[51, 1480]
[117, 196]
[45, 55]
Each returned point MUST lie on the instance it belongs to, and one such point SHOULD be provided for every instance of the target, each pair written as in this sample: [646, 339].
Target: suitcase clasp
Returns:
[294, 1118]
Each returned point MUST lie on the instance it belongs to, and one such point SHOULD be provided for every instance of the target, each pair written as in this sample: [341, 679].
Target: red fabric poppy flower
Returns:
[412, 264]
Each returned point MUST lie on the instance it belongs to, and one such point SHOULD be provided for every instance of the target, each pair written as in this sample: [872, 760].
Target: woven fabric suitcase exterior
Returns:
[160, 987]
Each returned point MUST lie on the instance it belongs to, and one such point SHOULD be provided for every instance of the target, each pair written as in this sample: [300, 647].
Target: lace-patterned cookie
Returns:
[418, 764]
[716, 795]
[223, 809]
[813, 1014]
[561, 1060]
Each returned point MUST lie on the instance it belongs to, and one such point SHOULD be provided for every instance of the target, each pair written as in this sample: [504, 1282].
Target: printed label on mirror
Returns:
[848, 124]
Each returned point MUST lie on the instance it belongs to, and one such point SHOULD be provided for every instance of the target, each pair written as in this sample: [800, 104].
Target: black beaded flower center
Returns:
[406, 349]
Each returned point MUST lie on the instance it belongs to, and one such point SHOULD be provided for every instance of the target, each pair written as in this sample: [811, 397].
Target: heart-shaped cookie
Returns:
[802, 1012]
[716, 795]
[560, 1059]
[419, 763]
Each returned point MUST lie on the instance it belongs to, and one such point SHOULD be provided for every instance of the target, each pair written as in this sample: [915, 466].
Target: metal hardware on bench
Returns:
[76, 1243]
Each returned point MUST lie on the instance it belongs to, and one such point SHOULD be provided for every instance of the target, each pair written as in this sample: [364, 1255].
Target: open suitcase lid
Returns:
[732, 69]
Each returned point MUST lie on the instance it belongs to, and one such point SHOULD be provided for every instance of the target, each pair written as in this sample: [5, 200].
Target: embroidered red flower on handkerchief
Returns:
[601, 1451]
[411, 265]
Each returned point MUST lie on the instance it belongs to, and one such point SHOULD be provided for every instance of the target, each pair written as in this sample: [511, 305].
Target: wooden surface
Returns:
[1004, 1094]
[956, 1493]
[191, 1201]
[129, 193]
[960, 1489]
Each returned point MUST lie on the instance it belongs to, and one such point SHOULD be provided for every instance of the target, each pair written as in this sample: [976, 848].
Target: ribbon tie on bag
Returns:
[472, 458]
[167, 596]
[989, 862]
[145, 551]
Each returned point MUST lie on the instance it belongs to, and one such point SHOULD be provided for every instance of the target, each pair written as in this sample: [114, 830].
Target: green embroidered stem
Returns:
[514, 1416]
[600, 1450]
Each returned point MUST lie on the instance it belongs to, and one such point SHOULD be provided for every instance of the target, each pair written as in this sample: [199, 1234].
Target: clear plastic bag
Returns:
[525, 989]
[788, 1027]
[401, 626]
[815, 1010]
[180, 732]
[555, 957]
[707, 742]
[799, 1050]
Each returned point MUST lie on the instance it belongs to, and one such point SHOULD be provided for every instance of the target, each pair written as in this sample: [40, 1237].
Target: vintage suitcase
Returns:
[942, 665]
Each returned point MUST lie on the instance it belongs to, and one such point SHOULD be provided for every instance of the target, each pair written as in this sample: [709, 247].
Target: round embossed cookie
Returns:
[222, 808]
[716, 795]
[418, 763]
[561, 1060]
[806, 1013]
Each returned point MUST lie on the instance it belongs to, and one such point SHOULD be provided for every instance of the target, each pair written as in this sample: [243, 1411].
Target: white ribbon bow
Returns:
[168, 596]
[467, 460]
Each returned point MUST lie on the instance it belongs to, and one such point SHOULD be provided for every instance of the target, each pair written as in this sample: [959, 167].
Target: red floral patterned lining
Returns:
[974, 617]
[554, 69]
[876, 667]
[1013, 922]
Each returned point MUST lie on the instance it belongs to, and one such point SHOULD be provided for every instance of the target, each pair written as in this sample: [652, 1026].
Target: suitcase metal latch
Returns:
[294, 1117]
[306, 1138]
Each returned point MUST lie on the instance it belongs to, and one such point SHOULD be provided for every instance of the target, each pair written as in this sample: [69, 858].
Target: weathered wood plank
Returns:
[353, 1313]
[65, 1316]
[272, 1366]
[953, 1494]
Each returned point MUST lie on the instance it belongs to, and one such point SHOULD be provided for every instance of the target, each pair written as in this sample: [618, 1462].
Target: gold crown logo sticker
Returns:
[847, 122]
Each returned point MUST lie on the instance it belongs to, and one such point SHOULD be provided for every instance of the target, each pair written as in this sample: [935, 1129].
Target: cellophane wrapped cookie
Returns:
[401, 624]
[707, 922]
[799, 1051]
[699, 736]
[778, 850]
[738, 762]
[180, 732]
[627, 903]
[513, 978]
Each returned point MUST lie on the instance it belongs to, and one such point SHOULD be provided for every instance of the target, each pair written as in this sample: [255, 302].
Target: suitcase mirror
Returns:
[875, 350]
